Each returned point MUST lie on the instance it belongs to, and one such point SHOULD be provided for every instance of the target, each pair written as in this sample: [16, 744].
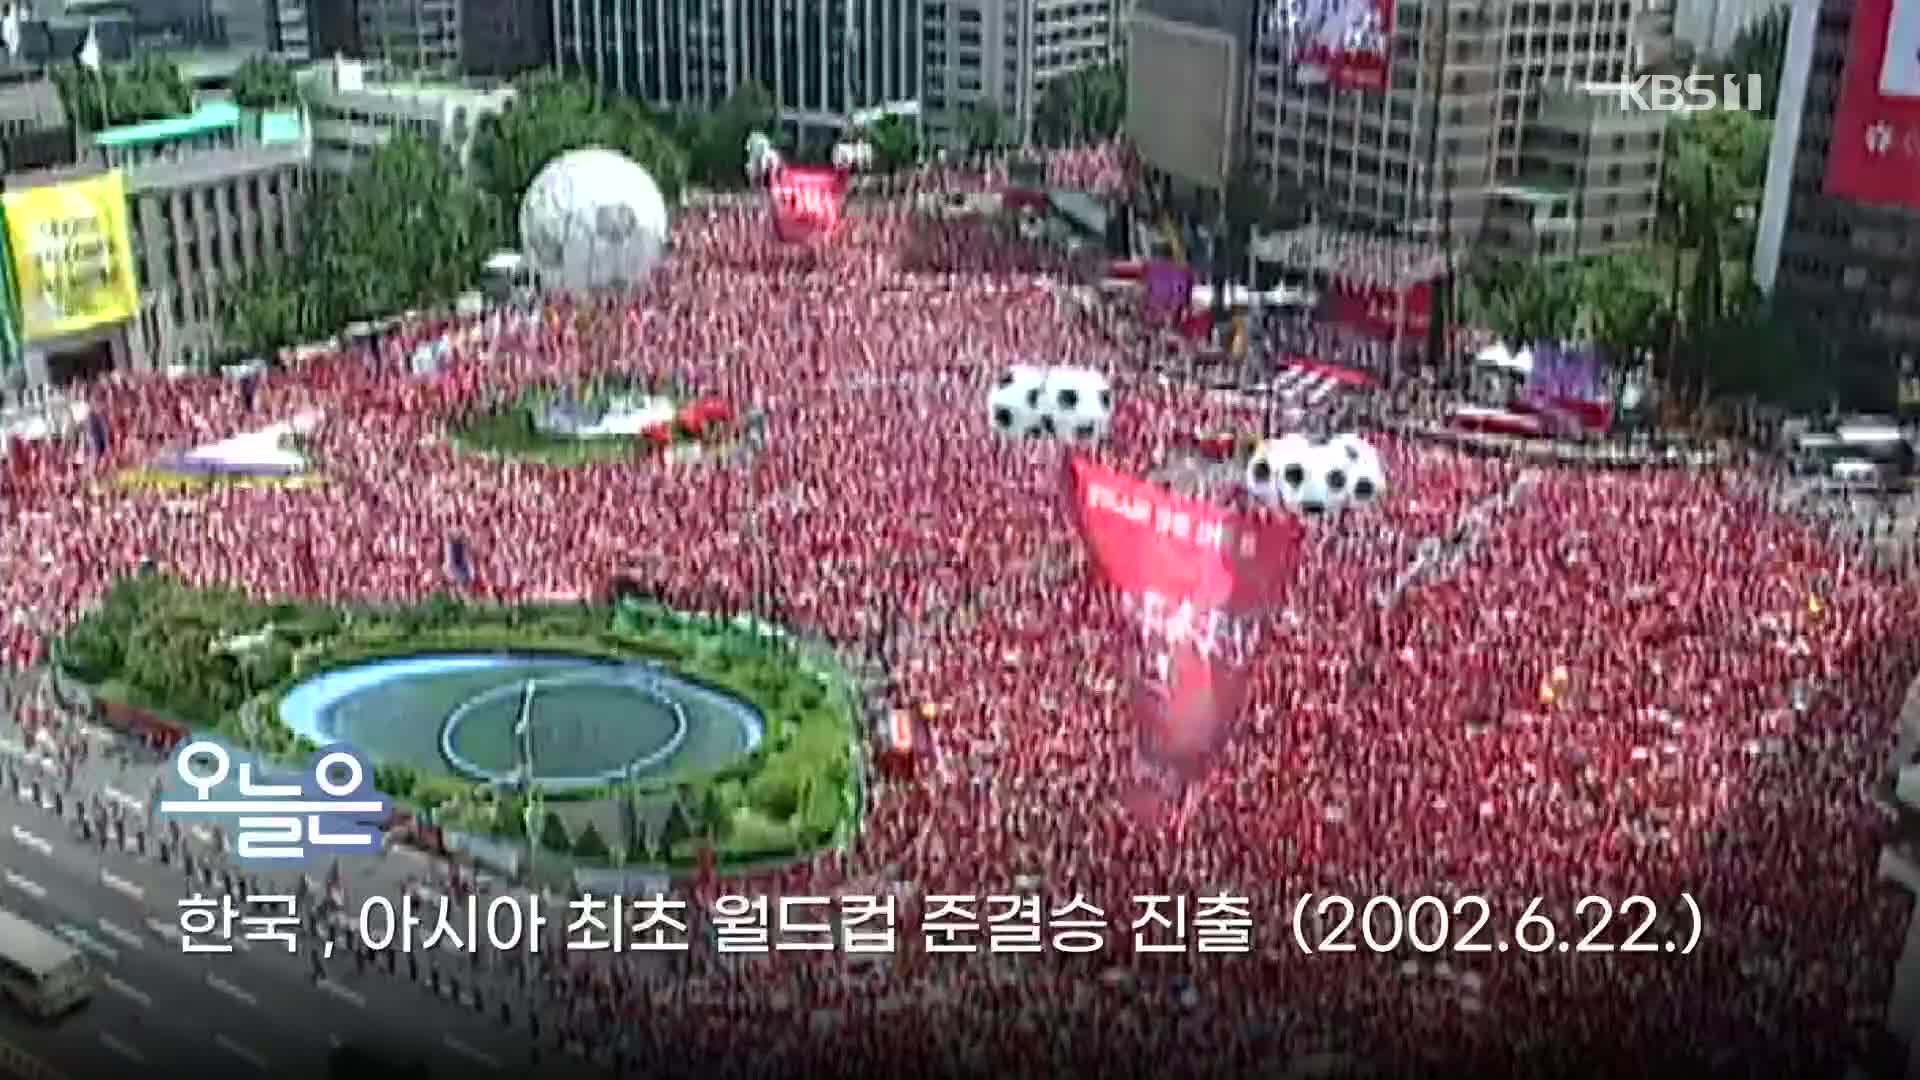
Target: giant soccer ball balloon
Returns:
[592, 220]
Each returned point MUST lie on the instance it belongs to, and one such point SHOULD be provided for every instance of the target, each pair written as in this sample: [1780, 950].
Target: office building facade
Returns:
[1852, 265]
[199, 224]
[354, 107]
[1486, 115]
[820, 59]
[1003, 54]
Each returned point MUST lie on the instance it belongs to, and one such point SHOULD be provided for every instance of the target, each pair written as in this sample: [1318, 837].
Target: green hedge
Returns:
[156, 643]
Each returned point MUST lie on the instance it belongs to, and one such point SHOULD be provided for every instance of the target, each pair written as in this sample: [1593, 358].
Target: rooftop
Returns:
[35, 104]
[210, 166]
[211, 117]
[1355, 258]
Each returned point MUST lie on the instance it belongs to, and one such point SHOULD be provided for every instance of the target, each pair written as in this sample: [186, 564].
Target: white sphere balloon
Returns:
[592, 219]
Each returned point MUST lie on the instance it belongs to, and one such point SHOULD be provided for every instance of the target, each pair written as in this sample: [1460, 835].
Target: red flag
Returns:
[1196, 576]
[1146, 539]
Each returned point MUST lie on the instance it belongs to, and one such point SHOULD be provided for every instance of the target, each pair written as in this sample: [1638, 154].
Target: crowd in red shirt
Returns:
[1618, 683]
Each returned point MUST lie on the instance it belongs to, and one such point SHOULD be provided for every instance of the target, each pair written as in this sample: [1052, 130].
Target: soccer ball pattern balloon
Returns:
[1013, 403]
[1071, 404]
[592, 219]
[1315, 478]
[1079, 404]
[1366, 475]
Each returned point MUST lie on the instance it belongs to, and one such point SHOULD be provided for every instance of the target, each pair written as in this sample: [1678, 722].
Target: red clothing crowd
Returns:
[1609, 684]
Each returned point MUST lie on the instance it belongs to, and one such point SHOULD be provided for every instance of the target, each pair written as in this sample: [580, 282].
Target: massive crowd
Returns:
[1617, 684]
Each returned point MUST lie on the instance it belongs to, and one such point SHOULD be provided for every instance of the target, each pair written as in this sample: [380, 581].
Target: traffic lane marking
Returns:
[120, 1046]
[244, 1053]
[26, 885]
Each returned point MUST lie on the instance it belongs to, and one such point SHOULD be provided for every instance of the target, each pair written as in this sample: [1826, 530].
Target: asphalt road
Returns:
[259, 1009]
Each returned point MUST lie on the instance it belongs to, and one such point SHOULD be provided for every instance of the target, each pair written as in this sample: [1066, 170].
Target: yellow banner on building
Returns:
[71, 258]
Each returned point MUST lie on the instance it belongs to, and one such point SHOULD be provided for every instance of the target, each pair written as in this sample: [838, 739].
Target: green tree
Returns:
[1086, 105]
[1624, 301]
[553, 833]
[552, 114]
[1715, 171]
[1761, 49]
[264, 83]
[1523, 301]
[403, 230]
[150, 88]
[983, 127]
[716, 141]
[895, 141]
[589, 844]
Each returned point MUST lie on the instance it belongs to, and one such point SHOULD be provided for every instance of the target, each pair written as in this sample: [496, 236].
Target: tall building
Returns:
[1002, 54]
[417, 35]
[1839, 230]
[1484, 130]
[503, 38]
[1449, 139]
[1711, 26]
[473, 37]
[354, 106]
[820, 59]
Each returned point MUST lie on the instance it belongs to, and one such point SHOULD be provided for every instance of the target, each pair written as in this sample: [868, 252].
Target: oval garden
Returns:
[635, 734]
[609, 418]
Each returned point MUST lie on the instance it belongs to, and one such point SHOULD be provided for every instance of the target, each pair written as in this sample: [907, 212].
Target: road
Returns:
[260, 1008]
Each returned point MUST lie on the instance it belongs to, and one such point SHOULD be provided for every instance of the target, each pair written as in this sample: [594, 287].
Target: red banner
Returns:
[1195, 577]
[1875, 155]
[806, 201]
[1145, 539]
[1377, 311]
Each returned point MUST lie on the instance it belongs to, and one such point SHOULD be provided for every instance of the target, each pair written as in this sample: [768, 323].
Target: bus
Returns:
[43, 976]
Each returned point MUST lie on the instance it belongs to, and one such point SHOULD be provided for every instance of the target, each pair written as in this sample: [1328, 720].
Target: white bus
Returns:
[43, 976]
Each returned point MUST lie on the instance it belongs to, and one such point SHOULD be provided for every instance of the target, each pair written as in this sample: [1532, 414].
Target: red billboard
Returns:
[806, 201]
[1344, 42]
[1876, 123]
[1378, 312]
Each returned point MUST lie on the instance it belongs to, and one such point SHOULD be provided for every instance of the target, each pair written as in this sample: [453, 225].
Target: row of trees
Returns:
[149, 88]
[406, 229]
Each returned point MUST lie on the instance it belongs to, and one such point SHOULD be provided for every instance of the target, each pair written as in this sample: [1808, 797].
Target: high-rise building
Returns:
[1483, 128]
[1711, 26]
[505, 37]
[417, 35]
[1486, 114]
[1002, 54]
[1839, 230]
[820, 59]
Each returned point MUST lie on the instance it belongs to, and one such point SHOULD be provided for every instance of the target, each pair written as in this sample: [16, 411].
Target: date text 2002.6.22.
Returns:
[1331, 923]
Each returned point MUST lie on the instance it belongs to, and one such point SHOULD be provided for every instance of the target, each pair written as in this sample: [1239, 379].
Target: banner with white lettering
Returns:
[1197, 578]
[807, 200]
